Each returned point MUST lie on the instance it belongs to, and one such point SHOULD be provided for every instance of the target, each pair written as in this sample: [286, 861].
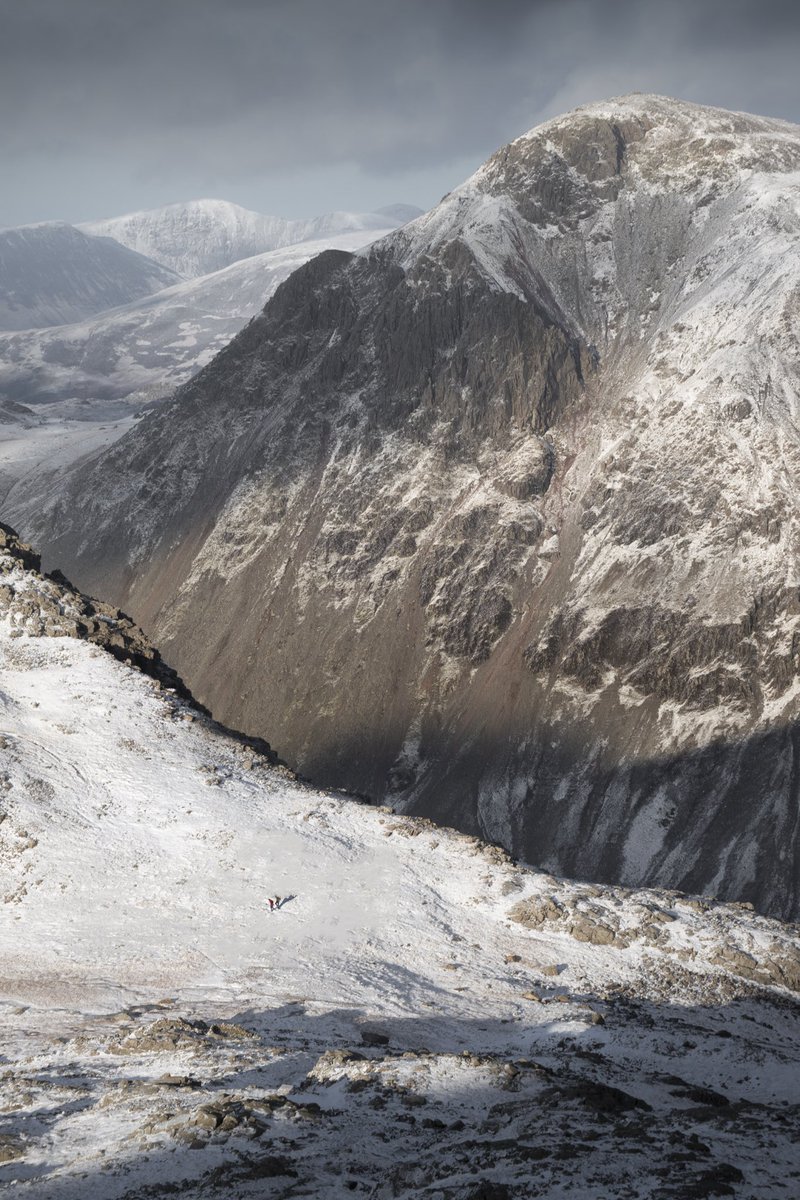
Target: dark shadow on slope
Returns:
[660, 1101]
[721, 820]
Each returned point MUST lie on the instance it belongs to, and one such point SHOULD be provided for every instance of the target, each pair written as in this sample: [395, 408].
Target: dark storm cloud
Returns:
[311, 81]
[122, 102]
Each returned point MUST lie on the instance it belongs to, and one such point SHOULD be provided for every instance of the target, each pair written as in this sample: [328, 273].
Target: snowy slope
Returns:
[420, 1011]
[523, 515]
[201, 236]
[53, 273]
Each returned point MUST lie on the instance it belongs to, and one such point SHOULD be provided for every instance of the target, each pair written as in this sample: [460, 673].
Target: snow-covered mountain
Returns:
[421, 1016]
[201, 236]
[52, 273]
[516, 492]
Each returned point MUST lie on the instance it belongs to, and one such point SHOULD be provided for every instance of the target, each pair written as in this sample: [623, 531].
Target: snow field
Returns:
[392, 1027]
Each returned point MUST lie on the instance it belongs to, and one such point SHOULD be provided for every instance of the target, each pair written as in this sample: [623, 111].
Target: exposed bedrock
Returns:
[497, 521]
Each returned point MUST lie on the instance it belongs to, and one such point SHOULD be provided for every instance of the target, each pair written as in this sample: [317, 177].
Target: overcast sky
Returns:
[296, 107]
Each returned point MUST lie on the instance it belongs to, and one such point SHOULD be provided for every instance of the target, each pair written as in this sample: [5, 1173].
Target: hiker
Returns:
[277, 901]
[271, 903]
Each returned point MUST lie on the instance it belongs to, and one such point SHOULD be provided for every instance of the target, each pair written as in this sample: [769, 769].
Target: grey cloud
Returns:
[131, 101]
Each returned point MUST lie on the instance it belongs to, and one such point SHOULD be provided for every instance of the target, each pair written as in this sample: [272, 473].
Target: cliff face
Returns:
[497, 519]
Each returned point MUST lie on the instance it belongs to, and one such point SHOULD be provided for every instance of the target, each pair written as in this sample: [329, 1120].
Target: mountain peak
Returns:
[663, 109]
[201, 204]
[197, 237]
[673, 118]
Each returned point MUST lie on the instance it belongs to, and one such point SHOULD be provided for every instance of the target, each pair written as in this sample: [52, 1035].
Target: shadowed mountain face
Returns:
[497, 520]
[52, 273]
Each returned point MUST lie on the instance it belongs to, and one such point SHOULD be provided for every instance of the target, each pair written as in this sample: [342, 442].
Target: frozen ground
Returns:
[421, 1017]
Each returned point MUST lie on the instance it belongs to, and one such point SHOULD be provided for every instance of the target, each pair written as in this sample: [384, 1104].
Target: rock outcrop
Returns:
[47, 605]
[497, 520]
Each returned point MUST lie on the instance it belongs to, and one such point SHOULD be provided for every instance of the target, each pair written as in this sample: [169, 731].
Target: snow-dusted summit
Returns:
[421, 1016]
[201, 236]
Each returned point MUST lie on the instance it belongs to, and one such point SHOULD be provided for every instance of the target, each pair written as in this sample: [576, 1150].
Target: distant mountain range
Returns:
[96, 329]
[141, 351]
[497, 521]
[56, 274]
[201, 236]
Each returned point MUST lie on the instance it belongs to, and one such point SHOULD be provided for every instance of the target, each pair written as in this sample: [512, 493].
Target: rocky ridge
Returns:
[496, 519]
[36, 604]
[39, 605]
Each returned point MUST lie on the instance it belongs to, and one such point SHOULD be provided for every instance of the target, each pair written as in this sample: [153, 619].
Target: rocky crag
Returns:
[497, 520]
[37, 604]
[42, 605]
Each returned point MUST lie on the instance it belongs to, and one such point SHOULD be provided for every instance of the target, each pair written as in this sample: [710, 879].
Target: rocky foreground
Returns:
[421, 1017]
